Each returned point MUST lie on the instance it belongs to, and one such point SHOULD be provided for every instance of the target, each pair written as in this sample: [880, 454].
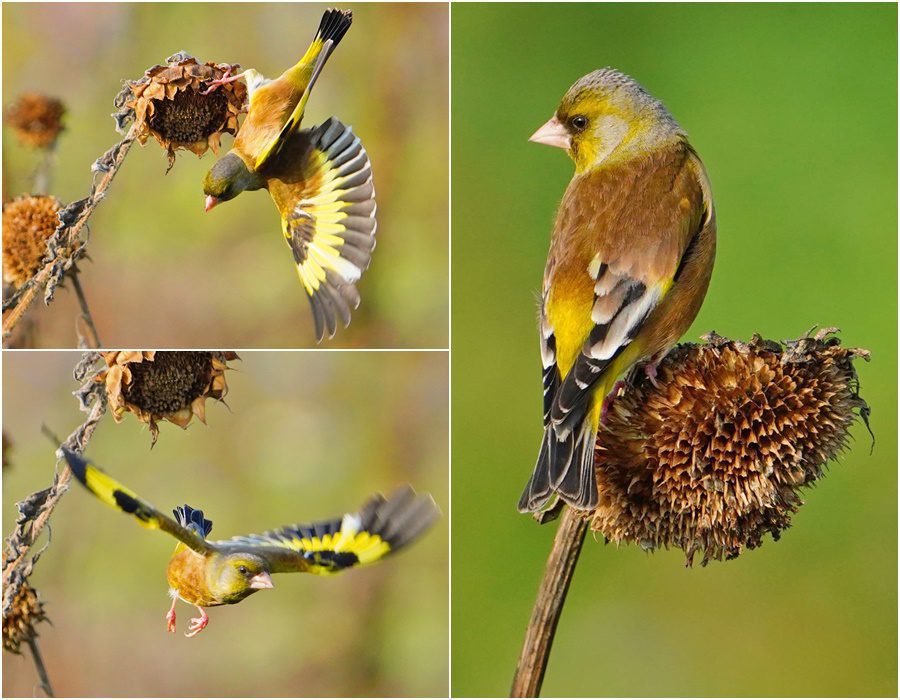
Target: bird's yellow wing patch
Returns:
[330, 224]
[120, 497]
[325, 547]
[381, 527]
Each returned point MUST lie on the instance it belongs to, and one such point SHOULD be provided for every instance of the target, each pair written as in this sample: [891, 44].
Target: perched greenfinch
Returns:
[630, 261]
[320, 178]
[205, 573]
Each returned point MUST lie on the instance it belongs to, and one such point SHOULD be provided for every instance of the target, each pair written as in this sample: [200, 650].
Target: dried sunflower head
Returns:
[167, 103]
[24, 613]
[28, 221]
[160, 385]
[36, 119]
[716, 456]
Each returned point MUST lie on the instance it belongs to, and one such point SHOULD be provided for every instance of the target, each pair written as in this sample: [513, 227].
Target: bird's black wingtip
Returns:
[76, 463]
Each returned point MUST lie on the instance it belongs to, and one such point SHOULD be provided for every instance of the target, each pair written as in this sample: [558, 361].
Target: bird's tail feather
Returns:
[192, 518]
[332, 27]
[565, 466]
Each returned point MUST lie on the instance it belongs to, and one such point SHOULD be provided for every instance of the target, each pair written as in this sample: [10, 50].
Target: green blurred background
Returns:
[164, 274]
[794, 111]
[305, 436]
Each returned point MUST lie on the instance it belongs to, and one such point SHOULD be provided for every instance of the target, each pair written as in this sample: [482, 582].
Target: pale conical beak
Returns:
[210, 202]
[262, 580]
[553, 133]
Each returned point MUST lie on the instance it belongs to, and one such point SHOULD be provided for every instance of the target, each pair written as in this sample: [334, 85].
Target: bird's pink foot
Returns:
[170, 616]
[650, 372]
[608, 400]
[197, 623]
[224, 80]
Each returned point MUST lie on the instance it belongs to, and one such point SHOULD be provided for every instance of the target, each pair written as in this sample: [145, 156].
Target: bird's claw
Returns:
[609, 399]
[218, 82]
[197, 624]
[650, 373]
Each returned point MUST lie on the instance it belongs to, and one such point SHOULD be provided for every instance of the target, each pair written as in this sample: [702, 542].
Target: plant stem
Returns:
[36, 509]
[549, 604]
[41, 178]
[94, 341]
[20, 302]
[39, 664]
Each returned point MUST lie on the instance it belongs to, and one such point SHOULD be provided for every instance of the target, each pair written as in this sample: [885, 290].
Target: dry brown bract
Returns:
[26, 611]
[36, 119]
[714, 458]
[28, 221]
[167, 103]
[156, 386]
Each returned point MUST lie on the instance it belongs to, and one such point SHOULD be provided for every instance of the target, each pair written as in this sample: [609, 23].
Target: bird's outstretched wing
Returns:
[381, 527]
[322, 185]
[124, 499]
[332, 28]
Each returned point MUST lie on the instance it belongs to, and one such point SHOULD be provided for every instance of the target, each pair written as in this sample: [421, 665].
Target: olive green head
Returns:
[228, 177]
[606, 117]
[232, 577]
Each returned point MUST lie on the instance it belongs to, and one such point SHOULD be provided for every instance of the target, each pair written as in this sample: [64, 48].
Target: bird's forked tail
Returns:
[565, 466]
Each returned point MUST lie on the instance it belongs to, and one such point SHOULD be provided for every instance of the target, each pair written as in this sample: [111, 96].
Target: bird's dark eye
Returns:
[242, 569]
[579, 122]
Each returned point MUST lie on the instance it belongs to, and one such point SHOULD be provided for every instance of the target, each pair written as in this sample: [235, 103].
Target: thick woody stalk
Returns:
[549, 604]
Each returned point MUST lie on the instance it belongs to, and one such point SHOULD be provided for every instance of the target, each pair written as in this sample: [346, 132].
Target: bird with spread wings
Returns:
[206, 573]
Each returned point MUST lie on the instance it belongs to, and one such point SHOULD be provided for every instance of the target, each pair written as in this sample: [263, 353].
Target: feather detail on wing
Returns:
[120, 497]
[381, 527]
[330, 225]
[621, 306]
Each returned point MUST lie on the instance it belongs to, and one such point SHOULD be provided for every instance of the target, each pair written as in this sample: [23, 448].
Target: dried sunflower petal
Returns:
[167, 103]
[715, 457]
[163, 385]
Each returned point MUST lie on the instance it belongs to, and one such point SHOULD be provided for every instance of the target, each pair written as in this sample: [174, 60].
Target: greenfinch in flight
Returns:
[205, 573]
[630, 261]
[320, 178]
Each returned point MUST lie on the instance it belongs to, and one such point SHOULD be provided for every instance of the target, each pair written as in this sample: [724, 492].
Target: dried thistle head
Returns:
[36, 119]
[716, 456]
[167, 103]
[24, 613]
[28, 221]
[160, 385]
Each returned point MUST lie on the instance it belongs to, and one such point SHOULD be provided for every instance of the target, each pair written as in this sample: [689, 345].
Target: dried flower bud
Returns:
[24, 613]
[36, 119]
[714, 458]
[28, 221]
[159, 385]
[167, 103]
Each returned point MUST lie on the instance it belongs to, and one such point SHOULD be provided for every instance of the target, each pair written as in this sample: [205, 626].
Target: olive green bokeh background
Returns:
[305, 436]
[164, 273]
[794, 110]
